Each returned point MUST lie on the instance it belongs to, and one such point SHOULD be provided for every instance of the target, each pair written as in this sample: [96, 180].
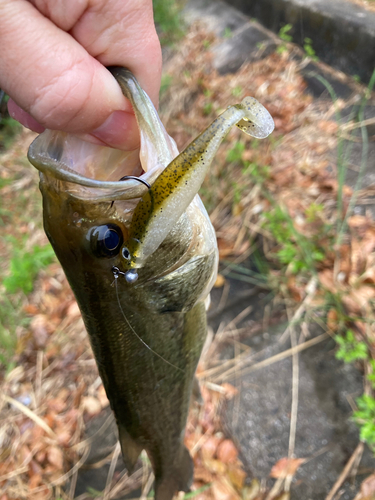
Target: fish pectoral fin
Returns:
[179, 290]
[177, 478]
[130, 449]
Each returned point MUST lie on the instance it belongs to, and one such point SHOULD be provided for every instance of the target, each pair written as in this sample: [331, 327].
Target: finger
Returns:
[115, 32]
[51, 76]
[24, 118]
[122, 33]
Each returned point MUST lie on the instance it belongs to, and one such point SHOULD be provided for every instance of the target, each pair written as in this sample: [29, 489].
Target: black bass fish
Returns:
[141, 257]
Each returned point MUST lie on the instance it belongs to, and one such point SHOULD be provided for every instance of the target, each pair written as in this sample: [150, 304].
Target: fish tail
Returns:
[130, 449]
[179, 478]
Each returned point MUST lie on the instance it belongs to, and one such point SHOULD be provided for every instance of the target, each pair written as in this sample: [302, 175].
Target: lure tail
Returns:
[177, 478]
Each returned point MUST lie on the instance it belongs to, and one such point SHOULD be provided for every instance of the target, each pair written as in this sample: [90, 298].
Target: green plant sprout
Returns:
[166, 82]
[371, 376]
[284, 33]
[167, 15]
[365, 418]
[237, 91]
[295, 250]
[24, 266]
[227, 33]
[308, 48]
[285, 36]
[350, 349]
[234, 155]
[313, 211]
[207, 108]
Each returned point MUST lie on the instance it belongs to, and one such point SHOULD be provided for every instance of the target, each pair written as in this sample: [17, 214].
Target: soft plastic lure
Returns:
[173, 191]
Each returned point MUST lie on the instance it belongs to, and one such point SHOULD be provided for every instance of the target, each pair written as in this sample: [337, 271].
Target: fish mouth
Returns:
[90, 171]
[95, 172]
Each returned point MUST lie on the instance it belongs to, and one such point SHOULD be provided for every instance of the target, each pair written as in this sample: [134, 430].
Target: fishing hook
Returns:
[133, 177]
[131, 276]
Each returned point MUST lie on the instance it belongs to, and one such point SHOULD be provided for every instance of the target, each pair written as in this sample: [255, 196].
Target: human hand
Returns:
[52, 64]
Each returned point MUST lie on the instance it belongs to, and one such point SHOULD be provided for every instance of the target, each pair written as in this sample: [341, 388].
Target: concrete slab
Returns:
[342, 33]
[250, 44]
[240, 39]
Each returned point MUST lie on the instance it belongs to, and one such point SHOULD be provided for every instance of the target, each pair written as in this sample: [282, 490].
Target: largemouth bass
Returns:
[140, 255]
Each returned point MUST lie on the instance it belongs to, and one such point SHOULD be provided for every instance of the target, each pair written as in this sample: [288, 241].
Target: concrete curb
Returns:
[342, 33]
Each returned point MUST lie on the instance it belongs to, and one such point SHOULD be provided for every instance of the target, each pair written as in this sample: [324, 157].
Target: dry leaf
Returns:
[55, 457]
[251, 492]
[358, 221]
[220, 281]
[283, 496]
[227, 452]
[63, 437]
[286, 467]
[39, 327]
[368, 488]
[295, 291]
[222, 491]
[210, 446]
[31, 309]
[357, 300]
[91, 405]
[236, 476]
[73, 310]
[202, 474]
[102, 397]
[332, 320]
[358, 257]
[35, 481]
[215, 466]
[326, 280]
[230, 390]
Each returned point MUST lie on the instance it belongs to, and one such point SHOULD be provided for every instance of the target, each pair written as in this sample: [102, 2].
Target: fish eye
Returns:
[106, 240]
[126, 253]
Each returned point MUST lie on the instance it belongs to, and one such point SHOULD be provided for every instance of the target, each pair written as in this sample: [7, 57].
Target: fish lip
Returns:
[55, 170]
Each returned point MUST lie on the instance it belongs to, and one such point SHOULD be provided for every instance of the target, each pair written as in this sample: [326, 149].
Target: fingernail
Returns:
[119, 131]
[23, 117]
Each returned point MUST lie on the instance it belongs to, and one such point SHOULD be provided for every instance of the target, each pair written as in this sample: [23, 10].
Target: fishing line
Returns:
[136, 334]
[134, 178]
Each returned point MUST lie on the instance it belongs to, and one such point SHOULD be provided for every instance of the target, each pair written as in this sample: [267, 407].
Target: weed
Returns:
[285, 36]
[24, 267]
[313, 212]
[198, 491]
[166, 82]
[93, 492]
[167, 16]
[207, 108]
[308, 48]
[258, 173]
[234, 155]
[371, 376]
[295, 250]
[365, 418]
[9, 128]
[350, 349]
[284, 33]
[206, 44]
[237, 91]
[227, 33]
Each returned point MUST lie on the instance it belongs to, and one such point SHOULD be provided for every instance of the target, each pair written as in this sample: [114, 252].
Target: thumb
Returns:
[55, 83]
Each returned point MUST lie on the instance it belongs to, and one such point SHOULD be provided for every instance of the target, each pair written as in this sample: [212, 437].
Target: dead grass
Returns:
[54, 390]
